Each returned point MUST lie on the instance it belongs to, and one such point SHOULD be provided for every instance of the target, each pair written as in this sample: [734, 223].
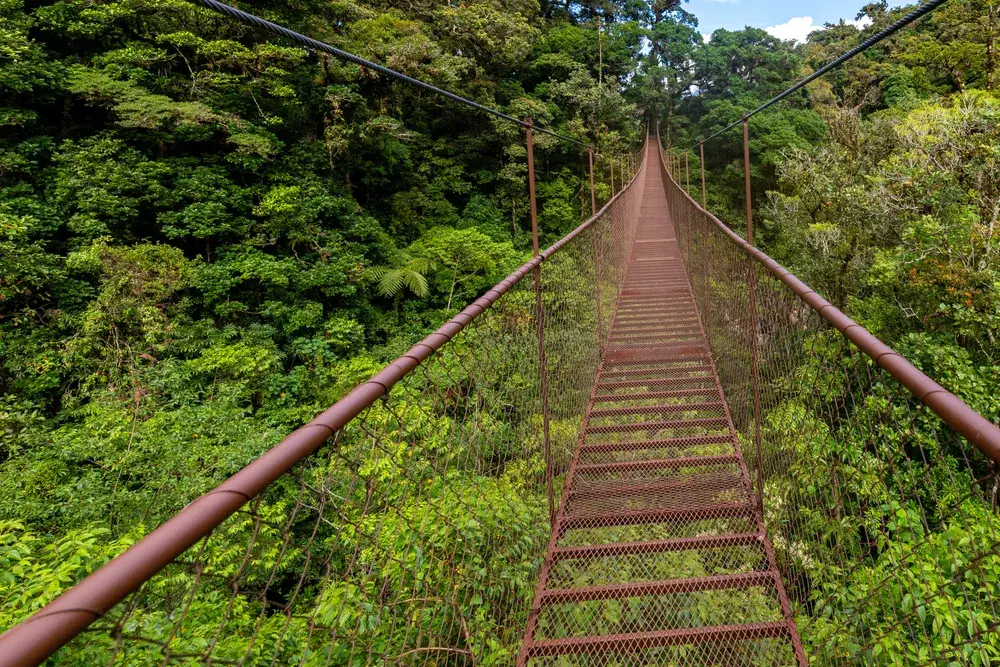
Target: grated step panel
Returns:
[757, 644]
[675, 608]
[657, 395]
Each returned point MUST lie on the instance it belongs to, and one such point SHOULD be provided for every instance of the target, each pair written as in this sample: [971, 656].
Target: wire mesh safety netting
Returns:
[884, 520]
[658, 554]
[415, 533]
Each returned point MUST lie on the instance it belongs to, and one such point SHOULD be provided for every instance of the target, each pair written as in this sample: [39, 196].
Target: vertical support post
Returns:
[593, 195]
[708, 254]
[540, 325]
[786, 608]
[595, 230]
[746, 176]
[704, 192]
[752, 277]
[670, 161]
[611, 161]
[687, 172]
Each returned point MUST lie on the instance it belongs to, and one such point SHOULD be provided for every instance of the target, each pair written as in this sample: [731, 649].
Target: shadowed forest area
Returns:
[208, 235]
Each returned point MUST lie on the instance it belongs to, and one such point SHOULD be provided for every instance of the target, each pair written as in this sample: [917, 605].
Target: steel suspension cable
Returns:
[316, 45]
[909, 18]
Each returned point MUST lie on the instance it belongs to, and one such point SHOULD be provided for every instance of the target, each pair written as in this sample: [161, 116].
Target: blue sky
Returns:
[788, 19]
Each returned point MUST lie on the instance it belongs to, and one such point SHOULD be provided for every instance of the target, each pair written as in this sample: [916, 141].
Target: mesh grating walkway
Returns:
[658, 554]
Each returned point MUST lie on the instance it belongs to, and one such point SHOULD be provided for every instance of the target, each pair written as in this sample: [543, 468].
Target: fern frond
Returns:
[419, 264]
[376, 272]
[416, 283]
[391, 283]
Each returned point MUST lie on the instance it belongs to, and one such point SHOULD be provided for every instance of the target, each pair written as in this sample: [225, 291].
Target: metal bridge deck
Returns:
[658, 554]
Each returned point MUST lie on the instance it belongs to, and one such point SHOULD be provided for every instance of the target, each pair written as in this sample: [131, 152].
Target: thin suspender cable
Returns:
[316, 45]
[917, 13]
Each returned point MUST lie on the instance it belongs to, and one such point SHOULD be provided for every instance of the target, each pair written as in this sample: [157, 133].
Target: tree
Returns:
[409, 274]
[463, 262]
[674, 38]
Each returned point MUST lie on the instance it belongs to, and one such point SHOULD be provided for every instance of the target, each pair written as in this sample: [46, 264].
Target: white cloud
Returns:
[706, 37]
[796, 29]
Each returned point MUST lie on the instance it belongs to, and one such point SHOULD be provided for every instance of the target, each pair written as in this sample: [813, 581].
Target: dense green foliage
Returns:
[879, 185]
[208, 235]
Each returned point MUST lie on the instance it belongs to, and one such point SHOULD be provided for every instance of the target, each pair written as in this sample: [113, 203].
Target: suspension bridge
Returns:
[649, 445]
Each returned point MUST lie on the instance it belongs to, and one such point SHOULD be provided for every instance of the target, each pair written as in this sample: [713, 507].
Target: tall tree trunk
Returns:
[657, 46]
[451, 292]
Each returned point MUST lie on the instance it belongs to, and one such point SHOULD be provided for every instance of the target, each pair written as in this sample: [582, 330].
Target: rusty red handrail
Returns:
[43, 633]
[952, 410]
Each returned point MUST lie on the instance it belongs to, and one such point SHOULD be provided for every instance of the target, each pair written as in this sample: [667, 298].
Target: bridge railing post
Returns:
[708, 254]
[540, 324]
[704, 192]
[593, 193]
[611, 163]
[687, 172]
[595, 233]
[752, 288]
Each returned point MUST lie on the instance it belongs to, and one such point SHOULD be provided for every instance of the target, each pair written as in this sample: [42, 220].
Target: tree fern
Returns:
[408, 274]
